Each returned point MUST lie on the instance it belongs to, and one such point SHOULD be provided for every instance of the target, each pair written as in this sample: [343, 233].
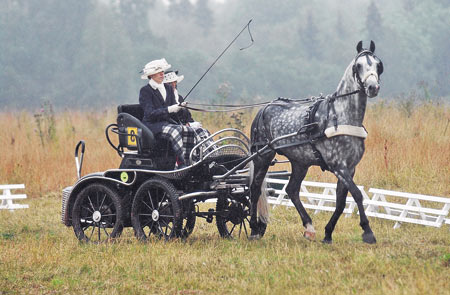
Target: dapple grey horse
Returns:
[329, 133]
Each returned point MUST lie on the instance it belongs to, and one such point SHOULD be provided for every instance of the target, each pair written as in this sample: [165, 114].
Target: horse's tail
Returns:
[262, 206]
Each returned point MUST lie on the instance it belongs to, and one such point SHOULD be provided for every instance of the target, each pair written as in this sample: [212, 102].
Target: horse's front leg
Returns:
[347, 180]
[341, 196]
[293, 191]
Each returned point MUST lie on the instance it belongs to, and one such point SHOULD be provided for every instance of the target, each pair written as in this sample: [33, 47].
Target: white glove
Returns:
[173, 108]
[195, 124]
[183, 104]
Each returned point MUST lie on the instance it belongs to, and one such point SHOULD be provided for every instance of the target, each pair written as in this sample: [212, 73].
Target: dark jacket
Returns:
[184, 115]
[156, 114]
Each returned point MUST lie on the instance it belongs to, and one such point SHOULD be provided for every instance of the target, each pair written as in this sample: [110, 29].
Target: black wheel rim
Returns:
[155, 213]
[97, 216]
[188, 222]
[234, 218]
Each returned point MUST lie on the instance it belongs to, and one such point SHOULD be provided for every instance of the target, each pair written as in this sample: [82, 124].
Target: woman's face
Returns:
[173, 84]
[158, 77]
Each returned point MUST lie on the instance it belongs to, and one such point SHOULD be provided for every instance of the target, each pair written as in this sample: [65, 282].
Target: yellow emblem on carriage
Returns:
[132, 133]
[124, 176]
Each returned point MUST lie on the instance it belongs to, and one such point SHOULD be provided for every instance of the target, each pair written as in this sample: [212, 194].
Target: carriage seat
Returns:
[134, 135]
[145, 150]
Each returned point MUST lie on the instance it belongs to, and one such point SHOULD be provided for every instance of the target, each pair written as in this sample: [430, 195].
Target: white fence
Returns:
[7, 198]
[397, 206]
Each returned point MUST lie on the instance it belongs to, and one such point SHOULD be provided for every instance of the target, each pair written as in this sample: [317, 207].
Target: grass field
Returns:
[41, 256]
[408, 149]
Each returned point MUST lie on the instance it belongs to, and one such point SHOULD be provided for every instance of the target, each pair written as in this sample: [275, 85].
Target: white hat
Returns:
[153, 67]
[172, 77]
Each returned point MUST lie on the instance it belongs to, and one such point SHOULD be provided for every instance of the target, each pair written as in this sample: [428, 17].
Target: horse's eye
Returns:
[359, 67]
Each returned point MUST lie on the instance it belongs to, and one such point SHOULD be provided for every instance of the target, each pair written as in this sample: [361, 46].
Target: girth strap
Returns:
[346, 130]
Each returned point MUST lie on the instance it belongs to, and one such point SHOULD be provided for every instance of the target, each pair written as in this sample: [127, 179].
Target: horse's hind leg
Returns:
[341, 196]
[293, 191]
[261, 165]
[347, 180]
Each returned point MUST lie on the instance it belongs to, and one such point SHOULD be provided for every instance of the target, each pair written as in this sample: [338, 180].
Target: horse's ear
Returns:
[372, 46]
[359, 46]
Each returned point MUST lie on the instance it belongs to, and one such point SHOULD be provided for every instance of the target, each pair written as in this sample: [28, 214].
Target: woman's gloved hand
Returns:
[174, 108]
[195, 124]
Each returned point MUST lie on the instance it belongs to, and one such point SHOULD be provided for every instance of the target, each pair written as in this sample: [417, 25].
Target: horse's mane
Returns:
[346, 80]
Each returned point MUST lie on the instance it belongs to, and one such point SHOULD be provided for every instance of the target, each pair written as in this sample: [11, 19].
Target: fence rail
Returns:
[7, 198]
[397, 206]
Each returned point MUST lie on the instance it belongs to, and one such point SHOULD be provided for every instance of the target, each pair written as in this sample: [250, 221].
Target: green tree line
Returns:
[88, 53]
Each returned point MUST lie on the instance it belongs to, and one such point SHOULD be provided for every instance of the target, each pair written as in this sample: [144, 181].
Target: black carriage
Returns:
[148, 194]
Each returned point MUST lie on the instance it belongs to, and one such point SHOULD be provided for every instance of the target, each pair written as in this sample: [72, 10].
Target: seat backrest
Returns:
[133, 109]
[129, 122]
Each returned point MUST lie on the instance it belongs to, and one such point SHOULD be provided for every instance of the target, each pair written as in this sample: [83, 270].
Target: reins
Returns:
[233, 107]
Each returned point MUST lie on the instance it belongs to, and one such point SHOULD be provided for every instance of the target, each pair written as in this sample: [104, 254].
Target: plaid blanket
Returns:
[181, 137]
[184, 138]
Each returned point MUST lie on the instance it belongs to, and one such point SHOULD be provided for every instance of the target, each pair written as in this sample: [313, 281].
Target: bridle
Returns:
[361, 81]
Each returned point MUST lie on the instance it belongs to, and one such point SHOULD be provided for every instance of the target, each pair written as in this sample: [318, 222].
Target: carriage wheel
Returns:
[189, 219]
[97, 214]
[156, 210]
[233, 217]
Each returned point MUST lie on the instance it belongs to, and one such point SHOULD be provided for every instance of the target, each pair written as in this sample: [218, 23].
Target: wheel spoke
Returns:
[166, 225]
[160, 228]
[112, 214]
[164, 196]
[90, 202]
[150, 197]
[92, 232]
[104, 229]
[151, 209]
[96, 196]
[232, 229]
[245, 228]
[86, 227]
[167, 216]
[86, 208]
[103, 201]
[164, 222]
[107, 207]
[109, 223]
[240, 229]
[147, 223]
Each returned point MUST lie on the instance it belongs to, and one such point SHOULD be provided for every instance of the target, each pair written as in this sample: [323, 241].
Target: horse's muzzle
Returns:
[372, 87]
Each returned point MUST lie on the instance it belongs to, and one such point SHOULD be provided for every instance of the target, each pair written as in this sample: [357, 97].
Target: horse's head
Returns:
[367, 68]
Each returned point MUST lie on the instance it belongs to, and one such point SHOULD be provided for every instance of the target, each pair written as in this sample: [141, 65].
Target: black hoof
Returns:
[369, 238]
[327, 241]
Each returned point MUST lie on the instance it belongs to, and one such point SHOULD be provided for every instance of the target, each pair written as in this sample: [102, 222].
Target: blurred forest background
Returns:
[85, 54]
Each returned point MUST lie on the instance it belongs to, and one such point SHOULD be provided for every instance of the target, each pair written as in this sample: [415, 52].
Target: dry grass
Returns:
[41, 256]
[407, 151]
